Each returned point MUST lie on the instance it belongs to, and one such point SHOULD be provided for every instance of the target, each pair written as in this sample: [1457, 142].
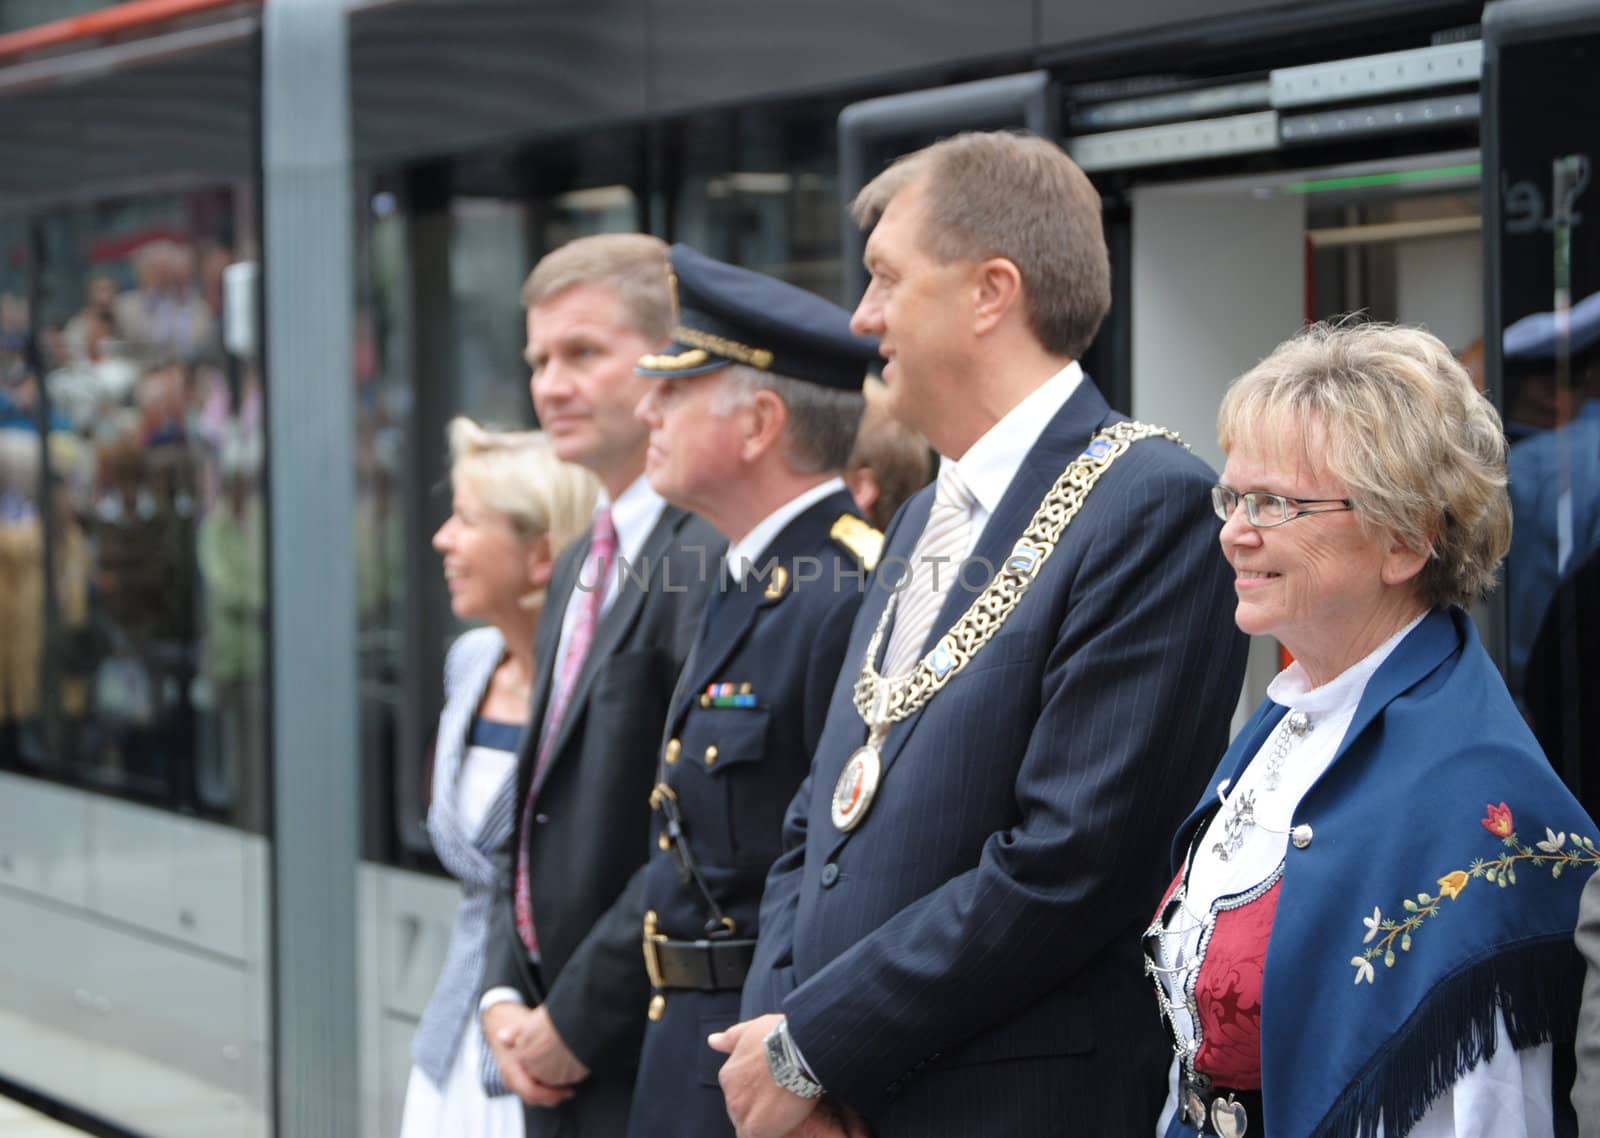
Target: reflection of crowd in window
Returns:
[1553, 570]
[155, 470]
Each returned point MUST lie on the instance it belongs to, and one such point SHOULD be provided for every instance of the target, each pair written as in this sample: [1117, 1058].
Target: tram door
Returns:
[1224, 269]
[1541, 129]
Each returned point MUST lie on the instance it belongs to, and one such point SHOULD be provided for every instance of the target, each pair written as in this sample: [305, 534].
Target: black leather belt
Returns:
[1227, 1113]
[698, 965]
[702, 965]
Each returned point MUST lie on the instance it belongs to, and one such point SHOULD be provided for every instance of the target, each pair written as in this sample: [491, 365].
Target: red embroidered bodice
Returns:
[1227, 992]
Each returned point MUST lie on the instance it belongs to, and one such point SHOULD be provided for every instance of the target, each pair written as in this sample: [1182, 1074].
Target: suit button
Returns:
[541, 818]
[830, 874]
[674, 749]
[711, 755]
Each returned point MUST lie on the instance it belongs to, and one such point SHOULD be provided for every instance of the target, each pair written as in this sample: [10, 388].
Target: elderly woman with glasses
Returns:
[1370, 929]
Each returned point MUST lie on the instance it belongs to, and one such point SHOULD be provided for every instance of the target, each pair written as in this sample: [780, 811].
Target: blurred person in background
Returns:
[231, 557]
[1376, 811]
[21, 593]
[890, 462]
[95, 323]
[144, 618]
[1554, 467]
[165, 318]
[515, 507]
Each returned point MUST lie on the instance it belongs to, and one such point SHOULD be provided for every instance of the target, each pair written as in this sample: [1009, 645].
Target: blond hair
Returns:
[518, 475]
[1399, 423]
[1012, 195]
[633, 264]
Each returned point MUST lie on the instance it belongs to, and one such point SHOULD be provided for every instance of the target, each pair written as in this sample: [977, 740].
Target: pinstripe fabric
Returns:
[970, 965]
[470, 858]
[943, 544]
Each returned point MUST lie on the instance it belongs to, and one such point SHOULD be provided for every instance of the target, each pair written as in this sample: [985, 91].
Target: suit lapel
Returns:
[1061, 442]
[616, 621]
[727, 622]
[721, 633]
[547, 642]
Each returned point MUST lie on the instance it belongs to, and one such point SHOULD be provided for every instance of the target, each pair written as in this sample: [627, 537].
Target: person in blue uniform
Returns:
[752, 417]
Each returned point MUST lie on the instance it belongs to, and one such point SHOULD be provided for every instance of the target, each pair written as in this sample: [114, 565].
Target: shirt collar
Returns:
[1292, 687]
[634, 514]
[749, 548]
[993, 461]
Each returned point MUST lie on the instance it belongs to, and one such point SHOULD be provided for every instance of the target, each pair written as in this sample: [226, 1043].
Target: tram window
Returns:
[760, 187]
[147, 642]
[1547, 122]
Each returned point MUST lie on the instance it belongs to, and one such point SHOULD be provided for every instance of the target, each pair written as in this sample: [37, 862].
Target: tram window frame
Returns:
[433, 202]
[1544, 257]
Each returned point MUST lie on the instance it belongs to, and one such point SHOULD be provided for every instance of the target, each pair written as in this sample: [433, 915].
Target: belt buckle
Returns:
[651, 943]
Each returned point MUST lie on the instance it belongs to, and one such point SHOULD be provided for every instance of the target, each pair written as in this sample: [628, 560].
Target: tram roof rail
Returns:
[118, 22]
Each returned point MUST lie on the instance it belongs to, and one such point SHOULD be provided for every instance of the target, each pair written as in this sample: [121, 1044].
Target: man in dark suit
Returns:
[950, 940]
[752, 416]
[563, 1009]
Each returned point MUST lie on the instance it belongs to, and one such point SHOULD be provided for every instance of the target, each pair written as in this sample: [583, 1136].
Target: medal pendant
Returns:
[858, 782]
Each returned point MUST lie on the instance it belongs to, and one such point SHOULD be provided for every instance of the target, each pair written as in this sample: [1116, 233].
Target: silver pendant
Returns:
[1228, 1118]
[1242, 816]
[858, 783]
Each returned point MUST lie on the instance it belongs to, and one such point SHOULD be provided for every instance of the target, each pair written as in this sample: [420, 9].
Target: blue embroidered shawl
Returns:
[1441, 883]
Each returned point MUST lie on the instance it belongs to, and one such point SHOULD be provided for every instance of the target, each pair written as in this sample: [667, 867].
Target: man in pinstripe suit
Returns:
[949, 943]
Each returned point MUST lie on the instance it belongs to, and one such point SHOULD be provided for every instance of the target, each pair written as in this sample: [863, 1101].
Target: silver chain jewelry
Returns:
[1241, 807]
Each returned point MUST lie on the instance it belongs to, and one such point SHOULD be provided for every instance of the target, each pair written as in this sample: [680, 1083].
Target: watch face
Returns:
[776, 1059]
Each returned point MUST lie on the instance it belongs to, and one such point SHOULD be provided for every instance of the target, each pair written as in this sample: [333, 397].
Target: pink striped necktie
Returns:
[934, 564]
[589, 595]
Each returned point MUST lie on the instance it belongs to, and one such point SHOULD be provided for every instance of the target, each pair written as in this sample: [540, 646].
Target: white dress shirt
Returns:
[745, 554]
[993, 461]
[634, 514]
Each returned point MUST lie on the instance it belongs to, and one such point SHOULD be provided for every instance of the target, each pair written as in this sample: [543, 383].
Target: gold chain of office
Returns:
[881, 700]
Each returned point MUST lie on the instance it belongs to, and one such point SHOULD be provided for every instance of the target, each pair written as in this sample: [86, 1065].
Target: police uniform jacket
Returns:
[746, 715]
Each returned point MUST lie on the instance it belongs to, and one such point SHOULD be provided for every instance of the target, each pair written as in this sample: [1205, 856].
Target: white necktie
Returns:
[934, 565]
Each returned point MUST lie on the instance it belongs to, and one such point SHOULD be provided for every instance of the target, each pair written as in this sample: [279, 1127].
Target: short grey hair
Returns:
[635, 265]
[1017, 196]
[822, 420]
[1400, 423]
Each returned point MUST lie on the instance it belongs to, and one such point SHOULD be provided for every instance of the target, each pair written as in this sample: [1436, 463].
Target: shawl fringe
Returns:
[1536, 985]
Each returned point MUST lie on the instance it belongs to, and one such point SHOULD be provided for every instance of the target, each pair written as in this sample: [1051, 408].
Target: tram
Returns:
[1261, 165]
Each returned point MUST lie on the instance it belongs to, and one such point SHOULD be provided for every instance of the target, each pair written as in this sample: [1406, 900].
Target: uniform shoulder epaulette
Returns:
[859, 538]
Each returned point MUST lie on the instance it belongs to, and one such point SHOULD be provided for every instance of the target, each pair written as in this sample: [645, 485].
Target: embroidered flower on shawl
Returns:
[1553, 852]
[1498, 822]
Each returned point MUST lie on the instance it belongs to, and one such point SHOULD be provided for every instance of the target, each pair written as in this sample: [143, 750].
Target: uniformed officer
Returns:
[752, 416]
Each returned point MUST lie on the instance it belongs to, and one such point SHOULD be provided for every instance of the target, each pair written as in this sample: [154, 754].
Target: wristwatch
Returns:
[783, 1060]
